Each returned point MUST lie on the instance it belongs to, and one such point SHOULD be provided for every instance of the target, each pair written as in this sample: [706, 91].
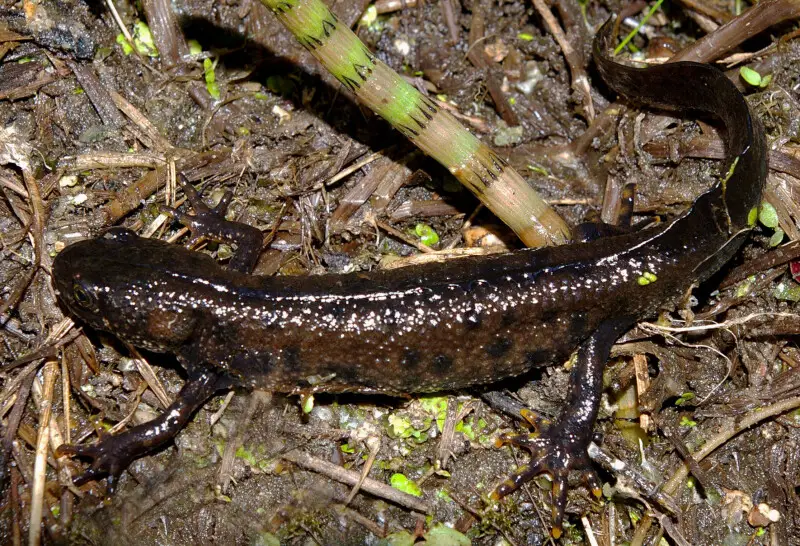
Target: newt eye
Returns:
[83, 297]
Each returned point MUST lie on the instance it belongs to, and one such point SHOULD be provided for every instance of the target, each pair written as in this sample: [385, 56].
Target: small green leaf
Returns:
[400, 538]
[684, 398]
[466, 430]
[402, 483]
[686, 422]
[126, 47]
[437, 405]
[307, 403]
[246, 455]
[777, 238]
[194, 47]
[767, 215]
[266, 539]
[444, 495]
[525, 36]
[426, 234]
[143, 39]
[750, 76]
[211, 78]
[745, 287]
[442, 535]
[400, 427]
[280, 85]
[752, 216]
[787, 291]
[370, 16]
[538, 170]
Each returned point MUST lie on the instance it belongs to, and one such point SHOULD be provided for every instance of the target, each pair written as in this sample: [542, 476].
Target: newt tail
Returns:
[715, 226]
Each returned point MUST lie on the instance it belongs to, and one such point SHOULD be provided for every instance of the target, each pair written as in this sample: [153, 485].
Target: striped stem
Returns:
[435, 131]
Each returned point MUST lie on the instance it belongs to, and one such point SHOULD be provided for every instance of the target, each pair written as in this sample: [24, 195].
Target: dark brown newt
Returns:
[436, 327]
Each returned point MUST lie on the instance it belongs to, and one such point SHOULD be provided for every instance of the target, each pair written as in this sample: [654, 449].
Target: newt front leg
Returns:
[111, 455]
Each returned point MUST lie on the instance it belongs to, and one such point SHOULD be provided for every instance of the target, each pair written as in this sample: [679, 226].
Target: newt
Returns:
[437, 327]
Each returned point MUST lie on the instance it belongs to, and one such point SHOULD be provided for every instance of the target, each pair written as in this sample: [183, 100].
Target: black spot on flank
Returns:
[540, 357]
[411, 358]
[347, 374]
[549, 316]
[499, 347]
[253, 364]
[508, 318]
[442, 363]
[291, 357]
[577, 326]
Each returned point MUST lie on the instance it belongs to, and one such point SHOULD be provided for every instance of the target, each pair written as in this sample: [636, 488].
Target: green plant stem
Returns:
[432, 129]
[635, 31]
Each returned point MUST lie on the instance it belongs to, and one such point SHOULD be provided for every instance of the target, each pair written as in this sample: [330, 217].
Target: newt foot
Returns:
[553, 451]
[110, 457]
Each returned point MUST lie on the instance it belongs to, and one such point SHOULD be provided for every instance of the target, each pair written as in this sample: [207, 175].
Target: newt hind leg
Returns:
[560, 447]
[553, 455]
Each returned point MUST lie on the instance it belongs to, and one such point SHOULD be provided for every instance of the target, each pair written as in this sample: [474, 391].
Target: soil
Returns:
[96, 131]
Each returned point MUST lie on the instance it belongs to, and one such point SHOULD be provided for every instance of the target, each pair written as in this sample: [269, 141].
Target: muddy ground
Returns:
[91, 135]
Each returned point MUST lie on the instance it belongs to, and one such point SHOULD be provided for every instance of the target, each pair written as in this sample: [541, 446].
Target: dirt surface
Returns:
[94, 132]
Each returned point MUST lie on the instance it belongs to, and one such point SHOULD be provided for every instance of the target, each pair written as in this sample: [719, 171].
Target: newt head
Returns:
[119, 283]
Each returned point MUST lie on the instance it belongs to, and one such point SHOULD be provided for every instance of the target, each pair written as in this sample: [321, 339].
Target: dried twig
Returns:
[146, 370]
[348, 477]
[40, 464]
[580, 81]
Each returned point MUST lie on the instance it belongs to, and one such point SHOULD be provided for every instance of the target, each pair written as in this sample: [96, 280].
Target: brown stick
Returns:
[758, 18]
[352, 478]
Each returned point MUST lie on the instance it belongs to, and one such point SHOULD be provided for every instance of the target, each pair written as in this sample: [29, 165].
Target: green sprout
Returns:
[143, 39]
[754, 78]
[126, 47]
[211, 78]
[402, 483]
[426, 234]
